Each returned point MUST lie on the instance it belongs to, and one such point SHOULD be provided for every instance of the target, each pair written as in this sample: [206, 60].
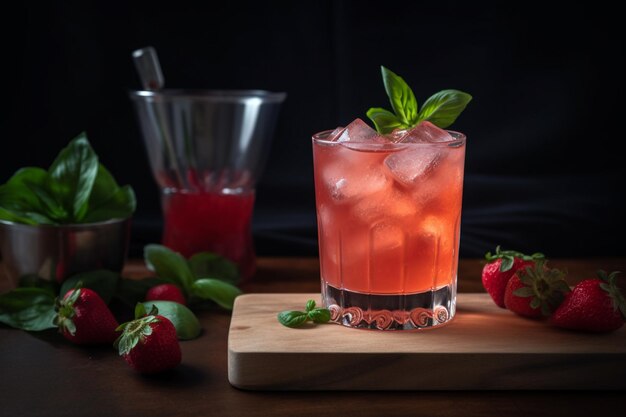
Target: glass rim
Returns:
[319, 138]
[235, 96]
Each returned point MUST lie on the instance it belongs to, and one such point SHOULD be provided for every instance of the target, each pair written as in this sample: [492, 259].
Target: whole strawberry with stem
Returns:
[535, 291]
[149, 343]
[594, 305]
[166, 292]
[84, 318]
[500, 268]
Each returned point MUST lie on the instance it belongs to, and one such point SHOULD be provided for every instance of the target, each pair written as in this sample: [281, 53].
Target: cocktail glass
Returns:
[206, 150]
[389, 217]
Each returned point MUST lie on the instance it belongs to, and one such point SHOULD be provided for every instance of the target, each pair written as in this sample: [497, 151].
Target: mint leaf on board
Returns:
[442, 108]
[294, 318]
[102, 281]
[319, 315]
[222, 293]
[29, 309]
[212, 265]
[170, 266]
[72, 175]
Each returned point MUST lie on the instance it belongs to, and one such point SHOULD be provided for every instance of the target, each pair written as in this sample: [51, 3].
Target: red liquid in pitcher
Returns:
[214, 222]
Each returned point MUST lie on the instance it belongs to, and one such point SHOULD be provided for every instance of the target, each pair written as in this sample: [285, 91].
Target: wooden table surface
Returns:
[43, 375]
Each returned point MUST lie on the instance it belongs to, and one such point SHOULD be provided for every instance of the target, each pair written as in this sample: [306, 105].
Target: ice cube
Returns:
[388, 203]
[413, 163]
[335, 134]
[345, 184]
[359, 131]
[423, 132]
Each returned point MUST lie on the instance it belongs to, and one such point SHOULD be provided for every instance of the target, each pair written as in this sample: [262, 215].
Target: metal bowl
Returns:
[57, 252]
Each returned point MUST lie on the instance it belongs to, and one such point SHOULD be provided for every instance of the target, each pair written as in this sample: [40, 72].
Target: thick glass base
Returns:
[390, 311]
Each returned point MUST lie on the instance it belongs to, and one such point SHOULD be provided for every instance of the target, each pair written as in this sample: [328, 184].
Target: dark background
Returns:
[544, 168]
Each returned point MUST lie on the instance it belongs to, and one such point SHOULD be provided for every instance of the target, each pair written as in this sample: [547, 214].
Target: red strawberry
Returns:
[149, 343]
[501, 267]
[535, 291]
[594, 305]
[84, 318]
[166, 292]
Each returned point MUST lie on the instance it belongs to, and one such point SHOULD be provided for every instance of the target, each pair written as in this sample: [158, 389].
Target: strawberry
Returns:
[594, 305]
[84, 318]
[535, 291]
[166, 292]
[500, 268]
[149, 343]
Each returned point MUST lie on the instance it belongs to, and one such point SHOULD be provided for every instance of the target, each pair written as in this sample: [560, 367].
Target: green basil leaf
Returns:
[310, 305]
[400, 96]
[102, 281]
[18, 200]
[384, 120]
[121, 205]
[108, 200]
[186, 323]
[319, 315]
[29, 309]
[222, 293]
[51, 206]
[72, 175]
[442, 108]
[212, 265]
[168, 265]
[24, 218]
[292, 318]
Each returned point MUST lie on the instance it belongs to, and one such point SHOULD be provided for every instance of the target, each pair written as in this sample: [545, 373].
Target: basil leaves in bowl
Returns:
[71, 218]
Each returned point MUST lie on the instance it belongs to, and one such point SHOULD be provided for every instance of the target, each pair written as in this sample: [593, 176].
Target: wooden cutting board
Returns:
[483, 348]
